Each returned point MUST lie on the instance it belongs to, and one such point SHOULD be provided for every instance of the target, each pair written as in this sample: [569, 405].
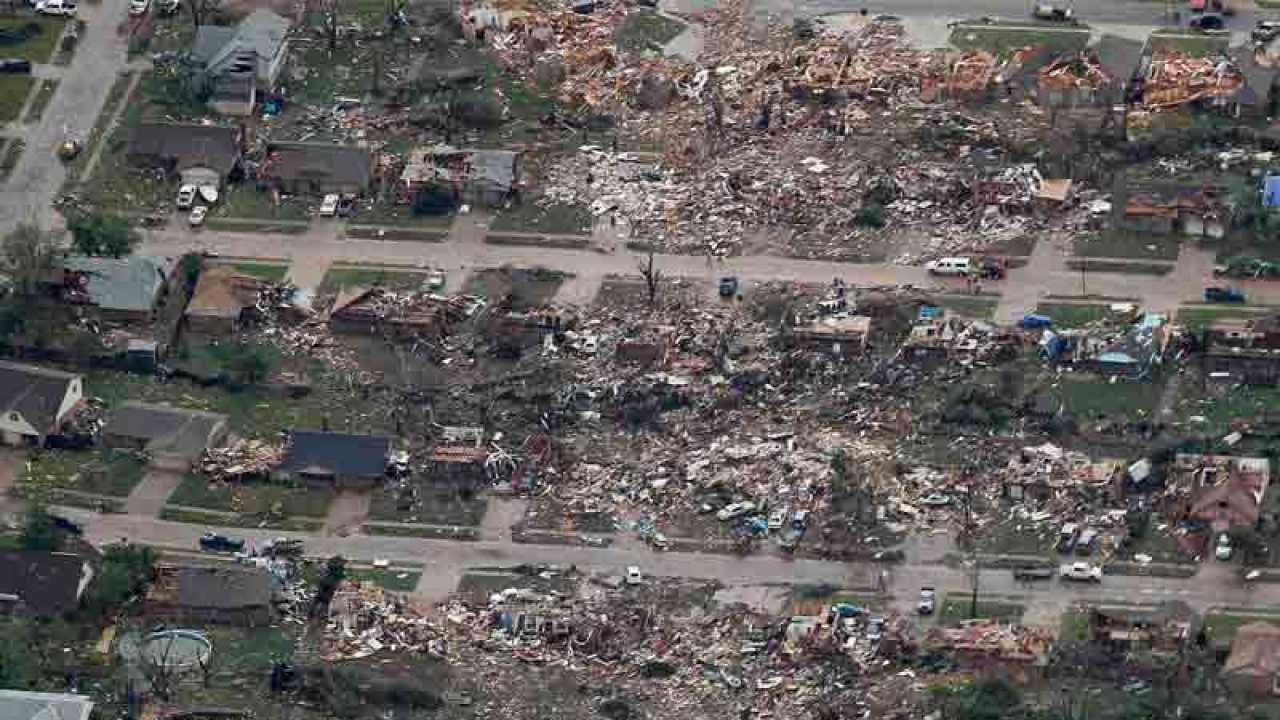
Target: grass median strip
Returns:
[41, 100]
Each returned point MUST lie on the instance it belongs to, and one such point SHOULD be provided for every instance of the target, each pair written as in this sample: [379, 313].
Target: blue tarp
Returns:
[1271, 191]
[1032, 322]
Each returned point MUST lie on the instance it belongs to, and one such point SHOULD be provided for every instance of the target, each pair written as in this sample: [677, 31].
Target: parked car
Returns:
[1207, 22]
[186, 197]
[1265, 30]
[735, 510]
[1032, 573]
[346, 206]
[1222, 550]
[282, 547]
[15, 66]
[633, 575]
[329, 205]
[1033, 321]
[435, 280]
[928, 601]
[67, 525]
[728, 286]
[214, 542]
[949, 266]
[1081, 571]
[935, 500]
[1067, 537]
[139, 7]
[56, 7]
[777, 519]
[875, 629]
[1084, 546]
[1053, 13]
[1224, 294]
[800, 521]
[198, 213]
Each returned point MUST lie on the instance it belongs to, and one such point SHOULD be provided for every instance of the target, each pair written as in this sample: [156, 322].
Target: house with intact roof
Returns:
[43, 584]
[127, 289]
[212, 594]
[303, 168]
[198, 155]
[242, 60]
[35, 402]
[328, 459]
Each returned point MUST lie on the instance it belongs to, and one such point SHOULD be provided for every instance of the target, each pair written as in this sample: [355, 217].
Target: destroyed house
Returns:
[220, 299]
[1253, 667]
[35, 402]
[1134, 351]
[198, 594]
[486, 178]
[1193, 210]
[335, 460]
[1074, 79]
[364, 310]
[1226, 492]
[42, 583]
[1244, 349]
[1164, 629]
[457, 466]
[127, 289]
[940, 340]
[838, 336]
[1017, 652]
[1177, 80]
[199, 154]
[316, 168]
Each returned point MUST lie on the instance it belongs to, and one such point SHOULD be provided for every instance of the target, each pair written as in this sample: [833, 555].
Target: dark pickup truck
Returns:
[1032, 573]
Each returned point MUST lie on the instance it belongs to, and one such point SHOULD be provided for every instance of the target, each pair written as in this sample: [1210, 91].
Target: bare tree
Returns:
[652, 277]
[202, 11]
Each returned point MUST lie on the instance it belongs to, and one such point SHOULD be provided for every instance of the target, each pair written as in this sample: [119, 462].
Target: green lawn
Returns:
[1128, 267]
[1075, 626]
[1090, 396]
[9, 157]
[345, 277]
[396, 580]
[955, 609]
[1128, 244]
[212, 518]
[101, 471]
[41, 44]
[1192, 43]
[400, 215]
[1003, 41]
[1221, 627]
[978, 308]
[1070, 315]
[246, 201]
[556, 219]
[251, 498]
[13, 94]
[253, 412]
[271, 272]
[1195, 319]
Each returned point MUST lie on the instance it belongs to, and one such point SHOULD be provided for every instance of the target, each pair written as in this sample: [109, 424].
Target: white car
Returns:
[435, 280]
[928, 601]
[1222, 550]
[734, 510]
[633, 575]
[186, 197]
[949, 266]
[777, 519]
[139, 7]
[196, 218]
[1081, 571]
[329, 206]
[56, 7]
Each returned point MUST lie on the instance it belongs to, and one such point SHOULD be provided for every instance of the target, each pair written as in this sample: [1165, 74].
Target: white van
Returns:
[56, 7]
[949, 266]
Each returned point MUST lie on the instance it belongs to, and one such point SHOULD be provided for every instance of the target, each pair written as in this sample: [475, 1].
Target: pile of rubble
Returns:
[243, 458]
[1176, 79]
[1074, 70]
[364, 619]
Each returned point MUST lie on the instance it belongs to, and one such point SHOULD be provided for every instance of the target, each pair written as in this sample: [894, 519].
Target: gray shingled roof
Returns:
[36, 393]
[223, 588]
[126, 284]
[165, 429]
[338, 454]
